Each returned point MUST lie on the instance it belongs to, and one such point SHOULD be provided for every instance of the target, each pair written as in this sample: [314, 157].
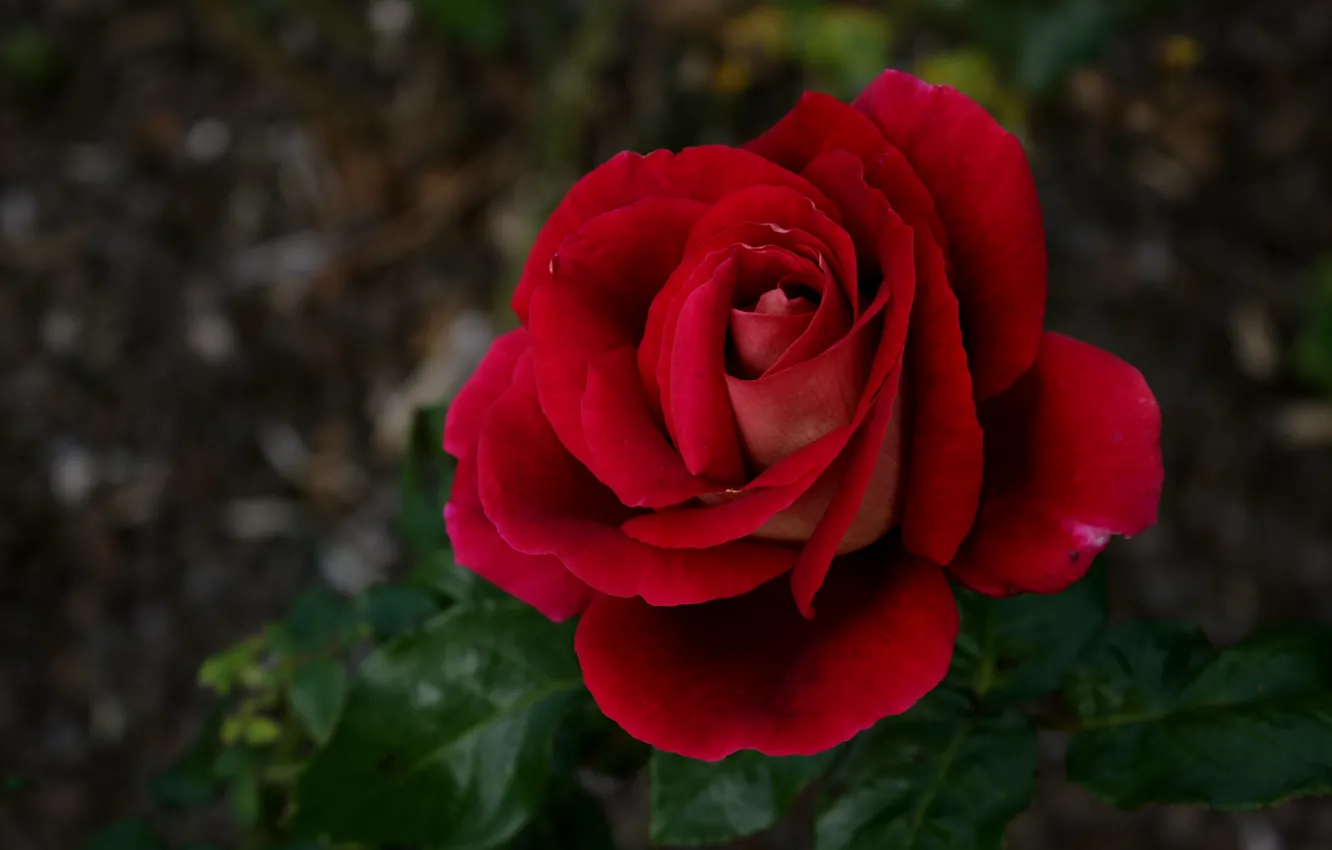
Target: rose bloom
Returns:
[764, 399]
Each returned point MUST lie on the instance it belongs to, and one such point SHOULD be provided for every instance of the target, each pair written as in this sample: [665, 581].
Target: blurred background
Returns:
[241, 240]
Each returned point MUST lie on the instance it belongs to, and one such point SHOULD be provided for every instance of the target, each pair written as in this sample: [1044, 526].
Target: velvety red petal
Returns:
[618, 182]
[738, 512]
[703, 173]
[1072, 456]
[982, 187]
[539, 580]
[870, 459]
[704, 426]
[947, 447]
[605, 278]
[760, 338]
[819, 124]
[544, 502]
[790, 408]
[462, 426]
[628, 452]
[782, 209]
[750, 673]
[880, 508]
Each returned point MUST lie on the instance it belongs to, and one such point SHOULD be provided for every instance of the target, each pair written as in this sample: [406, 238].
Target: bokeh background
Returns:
[241, 240]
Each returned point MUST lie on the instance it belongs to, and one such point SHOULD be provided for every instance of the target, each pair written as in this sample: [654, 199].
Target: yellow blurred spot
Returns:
[764, 30]
[1180, 53]
[971, 72]
[732, 76]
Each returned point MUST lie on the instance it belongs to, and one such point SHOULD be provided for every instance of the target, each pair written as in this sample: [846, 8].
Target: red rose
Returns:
[764, 396]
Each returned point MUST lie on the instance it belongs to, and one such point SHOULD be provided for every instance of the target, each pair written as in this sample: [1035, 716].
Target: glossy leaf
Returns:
[699, 802]
[446, 739]
[189, 782]
[317, 692]
[439, 573]
[934, 778]
[125, 835]
[394, 610]
[1015, 649]
[1168, 719]
[319, 619]
[427, 474]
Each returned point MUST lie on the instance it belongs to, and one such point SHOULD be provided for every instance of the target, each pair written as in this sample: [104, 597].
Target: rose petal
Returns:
[539, 580]
[704, 425]
[628, 452]
[705, 681]
[819, 124]
[785, 410]
[871, 459]
[543, 502]
[947, 448]
[782, 209]
[605, 277]
[982, 187]
[758, 339]
[462, 425]
[1072, 456]
[880, 508]
[703, 173]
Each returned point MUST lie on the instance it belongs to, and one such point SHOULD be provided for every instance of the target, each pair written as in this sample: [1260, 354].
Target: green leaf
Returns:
[125, 835]
[446, 738]
[483, 23]
[394, 610]
[932, 779]
[427, 475]
[317, 692]
[1168, 719]
[319, 620]
[699, 802]
[1313, 350]
[246, 802]
[1015, 649]
[189, 783]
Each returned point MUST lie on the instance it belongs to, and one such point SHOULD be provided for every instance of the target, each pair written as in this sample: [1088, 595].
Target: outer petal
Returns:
[539, 580]
[750, 673]
[819, 124]
[947, 447]
[985, 195]
[1072, 456]
[605, 277]
[703, 173]
[618, 182]
[462, 427]
[543, 502]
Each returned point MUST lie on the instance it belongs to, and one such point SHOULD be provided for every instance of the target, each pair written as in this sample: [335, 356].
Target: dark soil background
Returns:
[230, 266]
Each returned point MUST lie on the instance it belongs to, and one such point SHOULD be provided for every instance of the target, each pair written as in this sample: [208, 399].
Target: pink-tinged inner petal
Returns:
[880, 508]
[788, 409]
[707, 680]
[758, 339]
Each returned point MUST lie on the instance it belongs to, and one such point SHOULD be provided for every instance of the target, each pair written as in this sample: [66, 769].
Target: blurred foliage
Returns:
[1313, 350]
[972, 72]
[30, 62]
[481, 23]
[1040, 42]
